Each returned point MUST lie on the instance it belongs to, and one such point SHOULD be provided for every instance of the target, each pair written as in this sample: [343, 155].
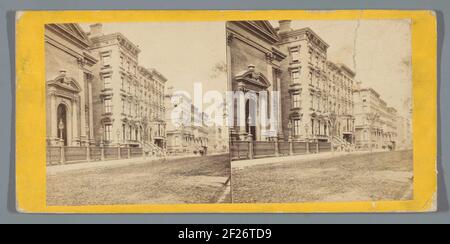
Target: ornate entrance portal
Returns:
[249, 83]
[63, 106]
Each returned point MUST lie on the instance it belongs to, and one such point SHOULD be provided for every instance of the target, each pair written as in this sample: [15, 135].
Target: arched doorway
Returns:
[62, 123]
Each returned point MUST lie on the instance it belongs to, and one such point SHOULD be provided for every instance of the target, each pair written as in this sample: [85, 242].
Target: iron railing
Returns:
[69, 154]
[243, 150]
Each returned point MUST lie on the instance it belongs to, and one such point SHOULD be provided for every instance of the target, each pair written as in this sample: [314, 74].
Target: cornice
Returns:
[69, 36]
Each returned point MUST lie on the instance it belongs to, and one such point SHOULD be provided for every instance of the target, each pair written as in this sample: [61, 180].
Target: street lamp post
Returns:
[250, 139]
[62, 153]
[291, 143]
[61, 129]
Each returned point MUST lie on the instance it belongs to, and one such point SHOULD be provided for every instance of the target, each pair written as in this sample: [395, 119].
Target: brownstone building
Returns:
[128, 99]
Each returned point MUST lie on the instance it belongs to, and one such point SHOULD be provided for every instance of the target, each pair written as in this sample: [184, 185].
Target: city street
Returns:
[352, 177]
[182, 180]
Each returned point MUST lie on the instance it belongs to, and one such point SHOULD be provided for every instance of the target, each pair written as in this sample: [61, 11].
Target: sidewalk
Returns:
[54, 169]
[298, 158]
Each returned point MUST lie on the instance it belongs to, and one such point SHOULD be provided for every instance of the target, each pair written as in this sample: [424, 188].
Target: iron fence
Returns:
[70, 154]
[242, 150]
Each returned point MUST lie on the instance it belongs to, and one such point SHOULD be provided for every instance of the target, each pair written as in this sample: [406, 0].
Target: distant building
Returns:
[376, 122]
[70, 78]
[219, 137]
[186, 132]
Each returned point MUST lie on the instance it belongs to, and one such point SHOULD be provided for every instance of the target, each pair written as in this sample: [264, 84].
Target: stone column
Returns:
[82, 81]
[91, 113]
[279, 109]
[75, 135]
[53, 117]
[241, 115]
[272, 90]
[230, 37]
[231, 109]
[257, 120]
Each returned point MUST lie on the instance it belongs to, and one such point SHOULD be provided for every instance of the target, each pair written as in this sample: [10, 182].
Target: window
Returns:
[106, 58]
[108, 132]
[312, 101]
[295, 54]
[296, 101]
[129, 109]
[295, 77]
[297, 127]
[121, 61]
[311, 77]
[107, 82]
[122, 82]
[123, 105]
[108, 105]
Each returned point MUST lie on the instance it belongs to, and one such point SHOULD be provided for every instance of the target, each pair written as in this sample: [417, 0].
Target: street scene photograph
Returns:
[322, 110]
[125, 124]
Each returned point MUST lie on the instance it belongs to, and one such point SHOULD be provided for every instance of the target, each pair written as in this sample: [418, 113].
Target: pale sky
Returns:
[188, 52]
[381, 48]
[184, 53]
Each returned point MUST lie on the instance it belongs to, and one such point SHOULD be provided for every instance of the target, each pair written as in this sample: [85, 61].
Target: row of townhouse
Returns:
[318, 97]
[98, 92]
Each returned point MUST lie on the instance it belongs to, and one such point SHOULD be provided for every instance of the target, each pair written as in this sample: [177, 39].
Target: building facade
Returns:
[153, 106]
[315, 98]
[128, 99]
[375, 121]
[254, 66]
[318, 91]
[69, 86]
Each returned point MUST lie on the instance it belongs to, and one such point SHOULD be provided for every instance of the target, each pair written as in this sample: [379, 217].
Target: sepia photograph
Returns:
[125, 113]
[322, 110]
